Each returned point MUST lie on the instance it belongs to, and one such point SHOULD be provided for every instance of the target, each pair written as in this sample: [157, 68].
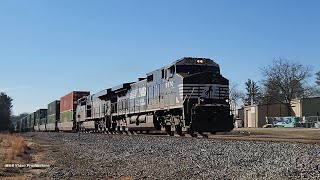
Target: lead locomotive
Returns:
[189, 95]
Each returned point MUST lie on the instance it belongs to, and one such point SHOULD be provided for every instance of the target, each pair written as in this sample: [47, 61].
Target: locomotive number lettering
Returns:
[169, 84]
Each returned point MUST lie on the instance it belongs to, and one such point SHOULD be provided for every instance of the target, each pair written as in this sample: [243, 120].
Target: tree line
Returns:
[282, 81]
[7, 119]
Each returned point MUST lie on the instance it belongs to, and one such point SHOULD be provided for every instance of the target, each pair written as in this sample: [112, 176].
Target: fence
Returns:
[310, 122]
[306, 122]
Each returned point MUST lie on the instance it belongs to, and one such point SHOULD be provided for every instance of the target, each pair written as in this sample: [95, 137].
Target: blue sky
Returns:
[48, 48]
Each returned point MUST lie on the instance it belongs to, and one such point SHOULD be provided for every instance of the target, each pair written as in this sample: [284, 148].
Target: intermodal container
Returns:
[41, 115]
[24, 124]
[18, 126]
[68, 105]
[69, 101]
[28, 122]
[32, 118]
[67, 116]
[53, 112]
[43, 121]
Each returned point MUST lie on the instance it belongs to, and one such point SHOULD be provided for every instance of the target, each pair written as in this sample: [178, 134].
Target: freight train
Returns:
[187, 96]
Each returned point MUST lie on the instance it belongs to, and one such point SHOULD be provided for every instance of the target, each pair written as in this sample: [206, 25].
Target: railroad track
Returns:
[267, 138]
[225, 136]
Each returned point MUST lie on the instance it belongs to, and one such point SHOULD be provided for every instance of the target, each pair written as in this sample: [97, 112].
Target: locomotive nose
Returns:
[204, 123]
[211, 119]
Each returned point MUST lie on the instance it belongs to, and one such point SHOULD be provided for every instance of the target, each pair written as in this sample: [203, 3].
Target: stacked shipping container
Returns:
[60, 115]
[24, 124]
[18, 126]
[68, 105]
[33, 123]
[41, 119]
[53, 115]
[28, 122]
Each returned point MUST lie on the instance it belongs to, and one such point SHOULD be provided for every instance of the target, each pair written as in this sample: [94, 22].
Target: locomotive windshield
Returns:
[192, 69]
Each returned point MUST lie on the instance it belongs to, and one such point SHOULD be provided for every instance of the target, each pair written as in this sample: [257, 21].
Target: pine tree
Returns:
[5, 112]
[253, 94]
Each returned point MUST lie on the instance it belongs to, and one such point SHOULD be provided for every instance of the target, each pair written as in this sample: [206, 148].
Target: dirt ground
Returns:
[301, 135]
[307, 133]
[39, 152]
[25, 165]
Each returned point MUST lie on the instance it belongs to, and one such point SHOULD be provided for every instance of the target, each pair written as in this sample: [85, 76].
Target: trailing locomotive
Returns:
[189, 95]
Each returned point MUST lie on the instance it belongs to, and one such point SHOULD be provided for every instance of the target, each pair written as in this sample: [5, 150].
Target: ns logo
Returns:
[209, 92]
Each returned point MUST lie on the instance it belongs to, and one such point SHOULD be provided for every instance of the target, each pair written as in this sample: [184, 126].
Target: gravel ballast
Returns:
[99, 156]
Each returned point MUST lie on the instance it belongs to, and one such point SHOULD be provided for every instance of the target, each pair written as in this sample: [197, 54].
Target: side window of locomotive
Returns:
[163, 73]
[150, 78]
[216, 70]
[171, 71]
[185, 69]
[195, 69]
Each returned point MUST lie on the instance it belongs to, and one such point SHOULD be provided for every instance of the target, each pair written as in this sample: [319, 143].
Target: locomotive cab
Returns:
[205, 95]
[197, 65]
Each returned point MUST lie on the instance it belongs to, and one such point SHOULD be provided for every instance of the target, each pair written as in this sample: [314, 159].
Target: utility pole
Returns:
[251, 92]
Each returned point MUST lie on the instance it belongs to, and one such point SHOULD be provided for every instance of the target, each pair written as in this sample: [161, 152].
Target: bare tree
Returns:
[318, 78]
[235, 96]
[311, 91]
[284, 80]
[14, 118]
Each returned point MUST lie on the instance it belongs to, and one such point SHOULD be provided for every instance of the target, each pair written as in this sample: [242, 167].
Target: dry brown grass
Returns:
[13, 146]
[14, 178]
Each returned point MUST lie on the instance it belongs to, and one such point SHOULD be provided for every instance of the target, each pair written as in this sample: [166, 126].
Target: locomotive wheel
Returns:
[191, 132]
[168, 130]
[179, 130]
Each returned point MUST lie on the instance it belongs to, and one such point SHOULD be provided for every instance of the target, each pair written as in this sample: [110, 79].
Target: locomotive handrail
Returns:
[189, 96]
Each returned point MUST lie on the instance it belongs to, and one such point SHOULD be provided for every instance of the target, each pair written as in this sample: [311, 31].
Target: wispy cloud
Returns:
[10, 89]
